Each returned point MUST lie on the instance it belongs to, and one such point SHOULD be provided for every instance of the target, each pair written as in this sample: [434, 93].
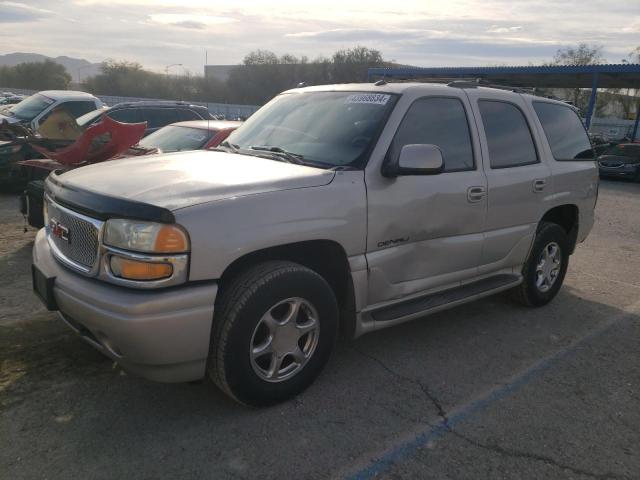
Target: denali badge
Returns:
[58, 230]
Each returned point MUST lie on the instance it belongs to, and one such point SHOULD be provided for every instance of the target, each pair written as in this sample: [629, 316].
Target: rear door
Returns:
[518, 179]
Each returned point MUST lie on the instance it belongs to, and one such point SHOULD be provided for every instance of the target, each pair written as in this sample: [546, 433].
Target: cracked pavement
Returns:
[489, 390]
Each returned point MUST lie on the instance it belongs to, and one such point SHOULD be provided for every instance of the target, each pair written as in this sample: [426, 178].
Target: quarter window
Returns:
[564, 131]
[508, 135]
[441, 122]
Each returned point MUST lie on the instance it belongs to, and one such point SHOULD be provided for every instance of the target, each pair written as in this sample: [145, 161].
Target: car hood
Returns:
[179, 180]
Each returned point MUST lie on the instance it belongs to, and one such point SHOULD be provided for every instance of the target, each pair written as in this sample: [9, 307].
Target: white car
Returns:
[33, 110]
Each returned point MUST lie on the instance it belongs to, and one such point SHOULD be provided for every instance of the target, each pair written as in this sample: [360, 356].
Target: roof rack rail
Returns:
[481, 82]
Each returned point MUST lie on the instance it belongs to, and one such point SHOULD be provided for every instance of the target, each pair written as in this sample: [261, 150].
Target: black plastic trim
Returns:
[103, 207]
[434, 300]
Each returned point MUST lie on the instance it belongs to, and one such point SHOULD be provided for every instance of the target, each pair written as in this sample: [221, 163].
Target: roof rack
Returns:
[480, 82]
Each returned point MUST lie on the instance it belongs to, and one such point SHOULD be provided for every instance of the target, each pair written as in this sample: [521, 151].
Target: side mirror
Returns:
[419, 159]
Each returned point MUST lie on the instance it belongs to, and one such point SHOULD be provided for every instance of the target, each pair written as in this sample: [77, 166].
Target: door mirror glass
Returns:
[420, 159]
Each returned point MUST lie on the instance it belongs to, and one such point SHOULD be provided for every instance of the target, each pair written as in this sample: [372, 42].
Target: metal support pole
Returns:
[592, 100]
[635, 125]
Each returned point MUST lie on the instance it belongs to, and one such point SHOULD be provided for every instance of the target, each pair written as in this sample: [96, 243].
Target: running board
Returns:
[469, 291]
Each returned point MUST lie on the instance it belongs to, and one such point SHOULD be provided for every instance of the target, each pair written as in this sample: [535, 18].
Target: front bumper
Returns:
[162, 335]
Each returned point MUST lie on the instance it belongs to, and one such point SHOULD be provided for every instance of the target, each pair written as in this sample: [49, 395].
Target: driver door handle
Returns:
[476, 194]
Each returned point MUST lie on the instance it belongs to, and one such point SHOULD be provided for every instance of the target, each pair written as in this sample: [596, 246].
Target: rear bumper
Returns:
[161, 335]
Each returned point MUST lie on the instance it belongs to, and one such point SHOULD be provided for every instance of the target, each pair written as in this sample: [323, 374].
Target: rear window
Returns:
[564, 130]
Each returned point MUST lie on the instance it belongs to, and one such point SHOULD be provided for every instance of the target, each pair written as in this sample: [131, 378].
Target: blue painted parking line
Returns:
[459, 415]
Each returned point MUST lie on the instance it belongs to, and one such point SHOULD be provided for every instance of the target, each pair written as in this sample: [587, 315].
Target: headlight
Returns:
[145, 236]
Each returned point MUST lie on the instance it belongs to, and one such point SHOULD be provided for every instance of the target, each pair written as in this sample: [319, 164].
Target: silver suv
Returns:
[346, 208]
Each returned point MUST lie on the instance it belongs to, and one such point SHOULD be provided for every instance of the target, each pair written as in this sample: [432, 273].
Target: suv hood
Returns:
[179, 180]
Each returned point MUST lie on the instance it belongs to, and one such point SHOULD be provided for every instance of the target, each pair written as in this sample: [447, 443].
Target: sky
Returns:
[157, 33]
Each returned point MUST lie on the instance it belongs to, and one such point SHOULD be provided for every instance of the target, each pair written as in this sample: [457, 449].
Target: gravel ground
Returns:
[487, 390]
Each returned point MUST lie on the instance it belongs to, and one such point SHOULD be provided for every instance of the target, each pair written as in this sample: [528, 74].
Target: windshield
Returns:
[30, 107]
[332, 128]
[624, 150]
[174, 138]
[89, 118]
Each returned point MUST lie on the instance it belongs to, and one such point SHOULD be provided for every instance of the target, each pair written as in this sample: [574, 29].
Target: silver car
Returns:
[334, 209]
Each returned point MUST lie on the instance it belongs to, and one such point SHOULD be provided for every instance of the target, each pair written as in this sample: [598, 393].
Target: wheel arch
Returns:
[326, 257]
[566, 216]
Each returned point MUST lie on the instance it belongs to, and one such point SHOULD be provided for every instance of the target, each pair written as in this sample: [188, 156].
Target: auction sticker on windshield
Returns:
[374, 98]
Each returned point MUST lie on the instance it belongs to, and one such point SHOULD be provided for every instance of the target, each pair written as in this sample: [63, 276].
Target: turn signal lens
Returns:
[171, 239]
[136, 270]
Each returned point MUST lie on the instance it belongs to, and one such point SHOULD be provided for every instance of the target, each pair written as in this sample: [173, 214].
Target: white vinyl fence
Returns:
[228, 110]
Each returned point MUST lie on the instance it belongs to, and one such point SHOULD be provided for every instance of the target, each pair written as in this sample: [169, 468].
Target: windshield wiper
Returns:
[228, 147]
[281, 152]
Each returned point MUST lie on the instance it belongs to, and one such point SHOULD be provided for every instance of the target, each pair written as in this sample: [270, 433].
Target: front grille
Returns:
[81, 243]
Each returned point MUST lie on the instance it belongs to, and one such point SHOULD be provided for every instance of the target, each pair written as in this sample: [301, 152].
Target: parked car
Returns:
[621, 161]
[34, 110]
[11, 100]
[194, 135]
[157, 114]
[345, 208]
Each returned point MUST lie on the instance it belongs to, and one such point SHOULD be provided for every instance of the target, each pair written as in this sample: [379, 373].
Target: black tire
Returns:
[239, 308]
[528, 293]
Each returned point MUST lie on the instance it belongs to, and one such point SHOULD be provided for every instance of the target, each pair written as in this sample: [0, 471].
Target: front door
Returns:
[426, 231]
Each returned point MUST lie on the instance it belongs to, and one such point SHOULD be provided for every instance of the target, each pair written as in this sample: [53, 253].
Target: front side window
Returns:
[30, 107]
[564, 131]
[508, 136]
[441, 122]
[325, 128]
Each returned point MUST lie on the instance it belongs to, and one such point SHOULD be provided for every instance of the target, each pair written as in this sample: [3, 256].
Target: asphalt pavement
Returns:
[489, 390]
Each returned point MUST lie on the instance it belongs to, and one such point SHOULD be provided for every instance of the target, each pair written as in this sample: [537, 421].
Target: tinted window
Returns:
[441, 122]
[508, 135]
[564, 131]
[186, 115]
[125, 115]
[77, 109]
[158, 117]
[624, 150]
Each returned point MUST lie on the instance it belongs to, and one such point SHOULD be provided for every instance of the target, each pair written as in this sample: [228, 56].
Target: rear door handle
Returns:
[475, 194]
[539, 184]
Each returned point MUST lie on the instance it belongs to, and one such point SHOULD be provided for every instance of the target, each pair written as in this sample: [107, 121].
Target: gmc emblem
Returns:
[58, 230]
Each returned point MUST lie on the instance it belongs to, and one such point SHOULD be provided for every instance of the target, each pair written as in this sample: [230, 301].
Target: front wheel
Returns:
[544, 270]
[275, 326]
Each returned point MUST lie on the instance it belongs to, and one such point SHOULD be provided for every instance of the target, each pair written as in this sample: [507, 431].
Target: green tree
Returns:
[582, 54]
[47, 75]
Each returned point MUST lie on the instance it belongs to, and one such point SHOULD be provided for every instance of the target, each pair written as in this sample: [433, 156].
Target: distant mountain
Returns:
[78, 68]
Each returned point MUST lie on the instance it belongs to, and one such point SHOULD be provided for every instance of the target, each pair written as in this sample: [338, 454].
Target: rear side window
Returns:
[508, 135]
[186, 115]
[125, 115]
[441, 122]
[564, 131]
[159, 117]
[77, 109]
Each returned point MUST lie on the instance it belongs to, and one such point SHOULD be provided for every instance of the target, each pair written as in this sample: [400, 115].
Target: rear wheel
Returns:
[544, 270]
[275, 326]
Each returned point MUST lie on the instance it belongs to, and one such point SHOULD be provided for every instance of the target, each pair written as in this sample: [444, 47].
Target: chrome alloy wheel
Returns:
[284, 339]
[548, 267]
